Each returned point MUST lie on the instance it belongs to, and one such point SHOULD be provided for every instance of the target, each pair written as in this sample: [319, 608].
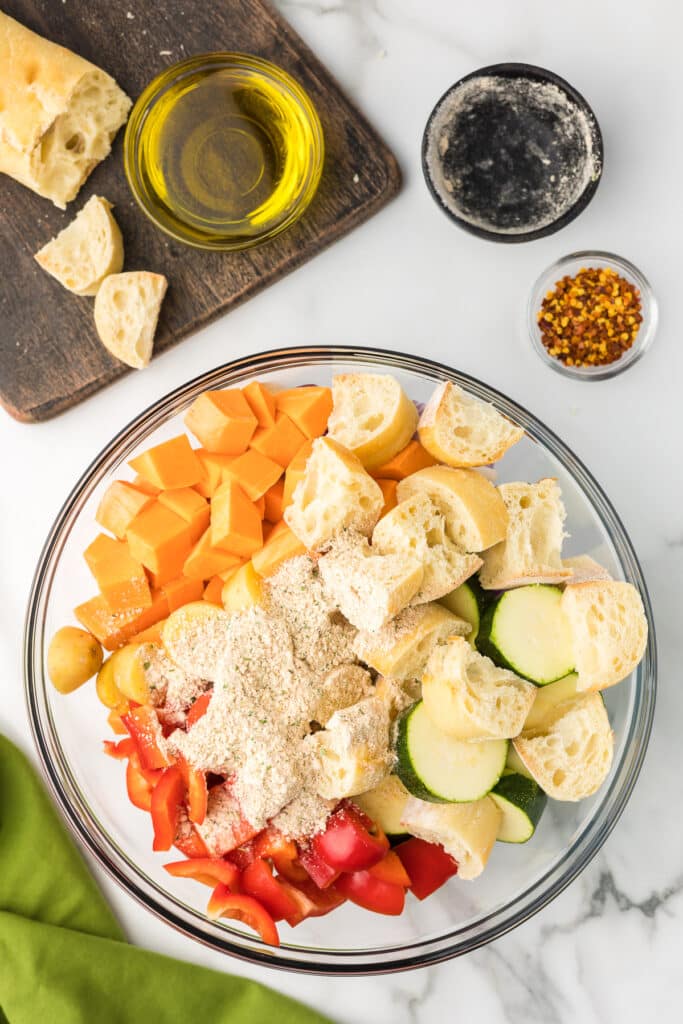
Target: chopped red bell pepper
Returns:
[143, 725]
[138, 783]
[198, 709]
[122, 749]
[207, 870]
[242, 856]
[189, 842]
[167, 797]
[239, 907]
[351, 841]
[197, 792]
[427, 864]
[374, 894]
[257, 880]
[390, 869]
[322, 873]
[272, 845]
[312, 901]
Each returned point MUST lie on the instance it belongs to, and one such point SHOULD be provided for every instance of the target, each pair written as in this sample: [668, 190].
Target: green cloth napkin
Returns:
[63, 956]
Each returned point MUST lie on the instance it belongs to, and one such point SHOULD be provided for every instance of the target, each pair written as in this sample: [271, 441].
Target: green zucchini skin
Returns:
[468, 601]
[522, 802]
[404, 765]
[487, 644]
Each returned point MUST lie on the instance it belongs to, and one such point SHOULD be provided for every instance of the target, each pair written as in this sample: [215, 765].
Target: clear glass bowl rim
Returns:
[325, 961]
[546, 280]
[223, 59]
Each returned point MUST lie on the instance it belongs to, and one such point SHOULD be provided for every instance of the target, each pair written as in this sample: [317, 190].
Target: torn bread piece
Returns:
[467, 831]
[86, 251]
[416, 528]
[352, 753]
[470, 698]
[585, 569]
[343, 686]
[461, 430]
[58, 116]
[335, 493]
[368, 587]
[475, 513]
[371, 416]
[609, 631]
[570, 754]
[126, 313]
[401, 647]
[532, 549]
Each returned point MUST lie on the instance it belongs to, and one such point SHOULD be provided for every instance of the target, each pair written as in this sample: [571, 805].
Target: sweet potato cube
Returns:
[254, 472]
[222, 421]
[205, 561]
[260, 504]
[242, 590]
[235, 521]
[190, 506]
[169, 464]
[151, 635]
[119, 506]
[308, 407]
[113, 629]
[407, 461]
[280, 442]
[215, 467]
[181, 591]
[295, 470]
[213, 590]
[261, 402]
[120, 578]
[145, 486]
[273, 502]
[281, 545]
[161, 540]
[389, 492]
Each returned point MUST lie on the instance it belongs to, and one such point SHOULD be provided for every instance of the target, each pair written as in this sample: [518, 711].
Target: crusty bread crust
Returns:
[585, 569]
[475, 513]
[609, 631]
[371, 416]
[126, 314]
[467, 831]
[59, 113]
[461, 430]
[401, 648]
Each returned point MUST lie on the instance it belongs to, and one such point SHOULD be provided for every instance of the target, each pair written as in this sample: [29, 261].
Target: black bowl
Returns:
[595, 154]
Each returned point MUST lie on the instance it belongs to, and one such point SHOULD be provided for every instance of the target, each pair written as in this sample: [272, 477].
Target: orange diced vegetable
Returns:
[242, 590]
[222, 421]
[254, 472]
[261, 402]
[389, 492]
[115, 724]
[205, 561]
[281, 545]
[169, 464]
[214, 466]
[181, 591]
[268, 528]
[407, 461]
[119, 506]
[213, 590]
[113, 628]
[151, 635]
[295, 470]
[260, 504]
[279, 442]
[120, 578]
[190, 506]
[235, 521]
[274, 504]
[161, 540]
[145, 486]
[308, 407]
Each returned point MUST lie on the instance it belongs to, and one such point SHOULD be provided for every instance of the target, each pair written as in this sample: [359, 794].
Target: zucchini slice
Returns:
[385, 804]
[522, 802]
[467, 602]
[436, 767]
[525, 630]
[515, 766]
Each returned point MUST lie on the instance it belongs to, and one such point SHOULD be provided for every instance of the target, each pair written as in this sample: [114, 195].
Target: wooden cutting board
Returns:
[50, 356]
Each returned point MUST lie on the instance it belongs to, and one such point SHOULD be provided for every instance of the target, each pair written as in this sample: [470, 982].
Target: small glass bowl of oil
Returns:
[223, 151]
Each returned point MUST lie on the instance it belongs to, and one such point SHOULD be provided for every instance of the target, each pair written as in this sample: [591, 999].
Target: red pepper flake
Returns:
[590, 319]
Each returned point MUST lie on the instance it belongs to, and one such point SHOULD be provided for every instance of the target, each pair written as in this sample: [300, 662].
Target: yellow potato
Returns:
[107, 690]
[72, 658]
[129, 674]
[193, 636]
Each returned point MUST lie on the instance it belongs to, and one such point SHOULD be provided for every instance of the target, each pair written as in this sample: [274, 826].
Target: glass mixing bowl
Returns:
[90, 788]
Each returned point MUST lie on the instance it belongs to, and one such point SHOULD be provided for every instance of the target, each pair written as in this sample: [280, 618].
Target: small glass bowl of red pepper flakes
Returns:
[591, 315]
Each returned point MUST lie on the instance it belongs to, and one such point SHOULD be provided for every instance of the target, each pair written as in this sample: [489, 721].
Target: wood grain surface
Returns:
[50, 356]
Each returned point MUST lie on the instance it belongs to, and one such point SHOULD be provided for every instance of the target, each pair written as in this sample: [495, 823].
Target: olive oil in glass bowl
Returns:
[223, 151]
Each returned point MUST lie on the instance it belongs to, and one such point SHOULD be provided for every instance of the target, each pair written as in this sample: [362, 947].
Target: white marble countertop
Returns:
[605, 952]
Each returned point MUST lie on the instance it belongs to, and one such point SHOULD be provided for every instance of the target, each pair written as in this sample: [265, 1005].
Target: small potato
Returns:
[72, 658]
